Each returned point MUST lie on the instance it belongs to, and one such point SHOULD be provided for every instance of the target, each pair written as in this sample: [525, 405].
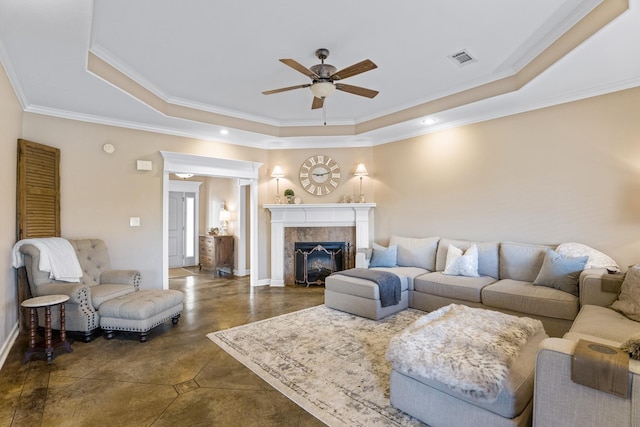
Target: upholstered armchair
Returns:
[98, 284]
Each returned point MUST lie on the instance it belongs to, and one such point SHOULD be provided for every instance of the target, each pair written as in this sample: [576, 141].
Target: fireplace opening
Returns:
[314, 261]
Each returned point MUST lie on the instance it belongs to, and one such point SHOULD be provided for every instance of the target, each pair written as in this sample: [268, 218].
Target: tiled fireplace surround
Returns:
[330, 222]
[314, 234]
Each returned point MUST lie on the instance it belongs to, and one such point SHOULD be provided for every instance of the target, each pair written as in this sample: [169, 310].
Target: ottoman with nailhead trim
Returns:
[140, 311]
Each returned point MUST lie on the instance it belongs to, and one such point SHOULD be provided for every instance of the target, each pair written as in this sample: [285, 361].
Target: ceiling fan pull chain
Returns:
[324, 112]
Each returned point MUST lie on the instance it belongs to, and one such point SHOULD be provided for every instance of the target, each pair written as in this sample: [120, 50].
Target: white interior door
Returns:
[183, 228]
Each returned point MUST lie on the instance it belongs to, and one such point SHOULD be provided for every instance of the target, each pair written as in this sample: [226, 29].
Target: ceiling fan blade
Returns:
[353, 70]
[299, 67]
[317, 103]
[357, 90]
[284, 89]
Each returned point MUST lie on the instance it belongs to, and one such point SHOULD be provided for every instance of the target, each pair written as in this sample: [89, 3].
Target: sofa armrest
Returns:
[78, 294]
[121, 277]
[591, 289]
[558, 401]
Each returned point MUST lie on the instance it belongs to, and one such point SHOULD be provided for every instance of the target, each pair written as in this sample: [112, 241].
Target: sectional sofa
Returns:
[514, 278]
[510, 278]
[558, 400]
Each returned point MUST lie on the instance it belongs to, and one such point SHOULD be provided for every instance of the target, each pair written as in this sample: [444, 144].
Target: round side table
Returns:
[47, 302]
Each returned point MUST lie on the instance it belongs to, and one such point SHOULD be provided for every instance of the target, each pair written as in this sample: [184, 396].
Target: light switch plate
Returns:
[144, 165]
[134, 221]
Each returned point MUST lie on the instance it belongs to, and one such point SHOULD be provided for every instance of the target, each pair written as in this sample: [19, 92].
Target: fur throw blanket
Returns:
[467, 349]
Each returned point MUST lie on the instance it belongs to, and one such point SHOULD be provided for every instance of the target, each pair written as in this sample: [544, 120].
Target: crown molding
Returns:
[105, 66]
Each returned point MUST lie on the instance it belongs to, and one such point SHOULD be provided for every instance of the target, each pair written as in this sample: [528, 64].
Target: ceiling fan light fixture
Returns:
[322, 89]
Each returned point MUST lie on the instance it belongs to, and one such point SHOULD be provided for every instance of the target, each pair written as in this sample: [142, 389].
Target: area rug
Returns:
[332, 364]
[179, 272]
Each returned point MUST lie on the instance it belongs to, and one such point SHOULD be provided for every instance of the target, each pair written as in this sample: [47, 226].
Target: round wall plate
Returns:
[108, 148]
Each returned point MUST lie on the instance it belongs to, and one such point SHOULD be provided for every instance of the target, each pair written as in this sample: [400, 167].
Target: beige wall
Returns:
[567, 173]
[100, 192]
[219, 191]
[10, 131]
[291, 160]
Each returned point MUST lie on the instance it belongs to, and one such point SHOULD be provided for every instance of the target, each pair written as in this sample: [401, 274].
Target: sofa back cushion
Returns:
[487, 255]
[416, 252]
[521, 261]
[93, 257]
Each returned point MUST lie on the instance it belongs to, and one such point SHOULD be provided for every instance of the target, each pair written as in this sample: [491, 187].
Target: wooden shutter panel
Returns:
[38, 192]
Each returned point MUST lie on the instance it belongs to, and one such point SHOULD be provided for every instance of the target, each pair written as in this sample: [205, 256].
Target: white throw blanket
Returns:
[57, 257]
[467, 349]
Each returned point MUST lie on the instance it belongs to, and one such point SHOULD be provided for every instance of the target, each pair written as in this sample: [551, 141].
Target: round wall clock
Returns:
[319, 175]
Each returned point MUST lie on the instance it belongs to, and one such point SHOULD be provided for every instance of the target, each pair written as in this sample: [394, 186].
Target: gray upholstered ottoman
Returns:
[438, 404]
[361, 297]
[140, 311]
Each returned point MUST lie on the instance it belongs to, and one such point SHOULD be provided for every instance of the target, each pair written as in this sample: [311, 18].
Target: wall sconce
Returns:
[361, 171]
[225, 216]
[277, 173]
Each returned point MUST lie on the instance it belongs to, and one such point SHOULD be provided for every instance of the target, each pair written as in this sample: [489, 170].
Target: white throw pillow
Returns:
[459, 264]
[596, 258]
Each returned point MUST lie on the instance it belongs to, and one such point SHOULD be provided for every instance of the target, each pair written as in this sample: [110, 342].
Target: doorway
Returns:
[182, 222]
[247, 175]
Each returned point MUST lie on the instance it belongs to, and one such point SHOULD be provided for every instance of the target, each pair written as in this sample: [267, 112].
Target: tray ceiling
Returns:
[196, 67]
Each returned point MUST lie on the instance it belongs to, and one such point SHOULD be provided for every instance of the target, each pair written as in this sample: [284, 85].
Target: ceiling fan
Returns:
[325, 78]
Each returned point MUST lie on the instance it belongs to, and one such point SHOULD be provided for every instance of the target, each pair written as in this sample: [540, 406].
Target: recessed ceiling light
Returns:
[429, 121]
[224, 131]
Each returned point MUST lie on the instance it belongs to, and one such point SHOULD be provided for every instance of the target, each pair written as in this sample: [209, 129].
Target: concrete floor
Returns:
[177, 378]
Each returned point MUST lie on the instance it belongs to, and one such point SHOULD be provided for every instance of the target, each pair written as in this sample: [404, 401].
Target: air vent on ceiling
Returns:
[462, 58]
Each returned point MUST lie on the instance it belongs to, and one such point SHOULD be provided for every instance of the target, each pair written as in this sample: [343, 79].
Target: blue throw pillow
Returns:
[561, 273]
[384, 257]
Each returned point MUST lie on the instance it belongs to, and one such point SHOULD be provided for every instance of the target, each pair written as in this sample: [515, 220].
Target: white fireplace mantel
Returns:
[315, 215]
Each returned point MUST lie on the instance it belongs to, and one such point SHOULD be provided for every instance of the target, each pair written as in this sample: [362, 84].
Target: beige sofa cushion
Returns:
[527, 298]
[408, 273]
[458, 287]
[102, 293]
[416, 252]
[520, 261]
[605, 323]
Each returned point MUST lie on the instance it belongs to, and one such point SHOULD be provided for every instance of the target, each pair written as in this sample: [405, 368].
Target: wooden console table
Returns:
[216, 254]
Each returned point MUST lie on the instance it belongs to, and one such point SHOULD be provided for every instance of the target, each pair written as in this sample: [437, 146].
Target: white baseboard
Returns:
[262, 282]
[6, 347]
[241, 273]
